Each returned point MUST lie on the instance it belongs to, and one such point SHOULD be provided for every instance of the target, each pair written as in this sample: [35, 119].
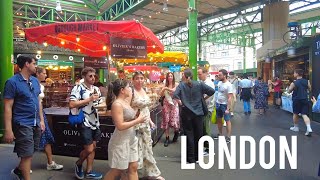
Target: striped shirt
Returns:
[90, 113]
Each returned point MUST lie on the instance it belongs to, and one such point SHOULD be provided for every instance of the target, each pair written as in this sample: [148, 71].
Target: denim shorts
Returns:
[277, 95]
[27, 140]
[88, 135]
[221, 108]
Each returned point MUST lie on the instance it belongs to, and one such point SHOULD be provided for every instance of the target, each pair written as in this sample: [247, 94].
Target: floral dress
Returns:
[146, 162]
[261, 98]
[46, 136]
[170, 115]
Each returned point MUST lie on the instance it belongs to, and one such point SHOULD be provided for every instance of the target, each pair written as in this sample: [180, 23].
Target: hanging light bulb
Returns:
[62, 42]
[77, 39]
[104, 48]
[45, 44]
[58, 7]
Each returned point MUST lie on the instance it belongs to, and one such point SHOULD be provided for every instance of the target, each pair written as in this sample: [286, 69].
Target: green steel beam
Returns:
[6, 46]
[49, 7]
[90, 5]
[48, 14]
[101, 3]
[193, 35]
[124, 7]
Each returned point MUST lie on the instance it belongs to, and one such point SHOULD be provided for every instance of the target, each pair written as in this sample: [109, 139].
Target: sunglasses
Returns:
[91, 76]
[30, 86]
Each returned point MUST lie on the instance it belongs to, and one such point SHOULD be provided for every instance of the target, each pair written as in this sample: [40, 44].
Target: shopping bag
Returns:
[214, 117]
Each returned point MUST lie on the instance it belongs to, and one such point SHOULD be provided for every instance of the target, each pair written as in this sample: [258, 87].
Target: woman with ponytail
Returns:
[123, 145]
[190, 95]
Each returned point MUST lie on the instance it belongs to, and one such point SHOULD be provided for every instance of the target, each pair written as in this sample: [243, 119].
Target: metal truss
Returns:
[35, 15]
[234, 29]
[240, 29]
[123, 7]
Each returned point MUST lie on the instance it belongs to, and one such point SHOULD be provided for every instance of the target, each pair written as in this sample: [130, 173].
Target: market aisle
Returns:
[274, 123]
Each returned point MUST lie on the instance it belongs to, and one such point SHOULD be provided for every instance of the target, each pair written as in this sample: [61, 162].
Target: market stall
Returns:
[95, 39]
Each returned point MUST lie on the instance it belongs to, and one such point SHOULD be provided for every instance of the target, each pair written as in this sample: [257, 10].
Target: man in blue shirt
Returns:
[245, 93]
[300, 102]
[23, 117]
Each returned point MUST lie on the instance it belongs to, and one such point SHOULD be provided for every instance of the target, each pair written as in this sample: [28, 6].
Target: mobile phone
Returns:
[138, 113]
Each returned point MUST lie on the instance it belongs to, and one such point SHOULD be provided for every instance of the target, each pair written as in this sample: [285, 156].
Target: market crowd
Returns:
[189, 107]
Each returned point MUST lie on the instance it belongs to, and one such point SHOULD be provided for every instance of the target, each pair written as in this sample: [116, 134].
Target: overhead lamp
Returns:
[62, 42]
[104, 48]
[291, 51]
[77, 39]
[45, 44]
[268, 59]
[58, 7]
[165, 7]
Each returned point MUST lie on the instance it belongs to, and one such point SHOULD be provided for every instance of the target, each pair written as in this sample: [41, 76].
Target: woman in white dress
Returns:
[123, 145]
[141, 101]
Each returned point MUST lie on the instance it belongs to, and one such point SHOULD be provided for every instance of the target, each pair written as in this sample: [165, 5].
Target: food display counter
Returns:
[67, 138]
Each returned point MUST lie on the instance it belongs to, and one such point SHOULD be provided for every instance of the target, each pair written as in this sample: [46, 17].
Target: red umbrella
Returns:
[92, 37]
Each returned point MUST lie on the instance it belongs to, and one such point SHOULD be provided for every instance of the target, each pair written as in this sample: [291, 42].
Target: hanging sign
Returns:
[128, 48]
[96, 62]
[175, 68]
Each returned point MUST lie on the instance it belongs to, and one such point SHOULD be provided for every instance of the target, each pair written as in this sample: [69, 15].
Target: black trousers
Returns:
[193, 129]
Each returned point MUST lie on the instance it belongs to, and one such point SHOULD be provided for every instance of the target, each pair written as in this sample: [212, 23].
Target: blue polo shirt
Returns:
[25, 110]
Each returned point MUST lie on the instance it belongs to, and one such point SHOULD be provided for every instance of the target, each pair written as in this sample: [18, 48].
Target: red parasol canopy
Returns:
[92, 37]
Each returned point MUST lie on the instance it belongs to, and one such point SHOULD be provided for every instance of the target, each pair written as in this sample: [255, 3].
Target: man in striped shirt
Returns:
[84, 96]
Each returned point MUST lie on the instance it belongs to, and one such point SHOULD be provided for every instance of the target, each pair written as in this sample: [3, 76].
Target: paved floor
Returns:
[275, 123]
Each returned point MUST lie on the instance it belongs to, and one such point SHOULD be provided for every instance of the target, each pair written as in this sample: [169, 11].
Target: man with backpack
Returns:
[83, 97]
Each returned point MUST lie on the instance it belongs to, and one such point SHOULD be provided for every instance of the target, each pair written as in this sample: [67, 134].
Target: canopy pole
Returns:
[6, 46]
[193, 15]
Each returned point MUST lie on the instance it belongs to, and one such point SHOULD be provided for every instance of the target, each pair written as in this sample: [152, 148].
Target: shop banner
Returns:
[175, 68]
[128, 48]
[315, 66]
[96, 62]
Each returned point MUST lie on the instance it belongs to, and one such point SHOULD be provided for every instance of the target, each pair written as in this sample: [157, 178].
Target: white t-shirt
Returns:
[235, 84]
[90, 113]
[210, 100]
[223, 90]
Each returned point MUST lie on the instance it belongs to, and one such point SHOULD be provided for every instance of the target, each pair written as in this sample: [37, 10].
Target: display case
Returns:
[57, 95]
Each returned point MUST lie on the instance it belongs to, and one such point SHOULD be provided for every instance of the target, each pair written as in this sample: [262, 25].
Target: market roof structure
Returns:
[158, 15]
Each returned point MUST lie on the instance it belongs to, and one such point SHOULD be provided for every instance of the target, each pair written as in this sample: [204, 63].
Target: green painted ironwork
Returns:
[47, 14]
[193, 36]
[6, 46]
[124, 7]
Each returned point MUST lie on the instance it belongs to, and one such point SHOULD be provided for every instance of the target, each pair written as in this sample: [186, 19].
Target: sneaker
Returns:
[78, 171]
[54, 166]
[93, 175]
[17, 174]
[295, 129]
[205, 153]
[228, 140]
[308, 133]
[216, 137]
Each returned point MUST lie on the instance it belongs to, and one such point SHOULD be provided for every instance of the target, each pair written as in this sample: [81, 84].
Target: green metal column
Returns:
[6, 46]
[193, 15]
[313, 30]
[200, 44]
[101, 75]
[244, 55]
